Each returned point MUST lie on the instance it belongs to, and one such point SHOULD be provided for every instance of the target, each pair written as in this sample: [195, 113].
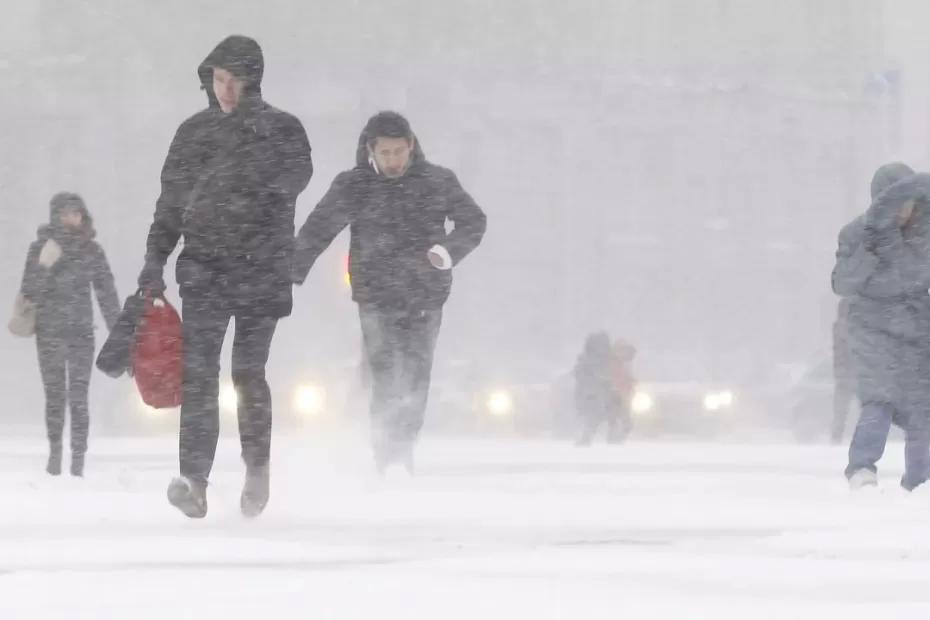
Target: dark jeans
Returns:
[400, 347]
[868, 444]
[205, 325]
[66, 363]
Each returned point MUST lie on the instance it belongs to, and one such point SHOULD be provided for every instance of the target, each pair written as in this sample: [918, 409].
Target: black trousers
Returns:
[205, 324]
[400, 347]
[66, 362]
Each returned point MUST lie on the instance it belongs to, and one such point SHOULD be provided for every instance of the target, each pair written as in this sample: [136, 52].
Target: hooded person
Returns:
[397, 205]
[62, 266]
[229, 187]
[883, 269]
[599, 374]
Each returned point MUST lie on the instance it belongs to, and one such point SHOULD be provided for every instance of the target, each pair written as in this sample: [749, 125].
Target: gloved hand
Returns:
[50, 254]
[440, 258]
[152, 280]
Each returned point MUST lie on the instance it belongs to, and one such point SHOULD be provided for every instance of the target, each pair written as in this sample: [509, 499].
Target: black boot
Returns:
[188, 496]
[77, 465]
[54, 460]
[256, 490]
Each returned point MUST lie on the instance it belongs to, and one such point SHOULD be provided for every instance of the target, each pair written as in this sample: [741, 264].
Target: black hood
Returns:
[597, 343]
[888, 175]
[239, 55]
[60, 202]
[369, 133]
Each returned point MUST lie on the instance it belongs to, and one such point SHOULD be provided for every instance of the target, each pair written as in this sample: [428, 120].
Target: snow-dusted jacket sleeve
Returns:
[329, 218]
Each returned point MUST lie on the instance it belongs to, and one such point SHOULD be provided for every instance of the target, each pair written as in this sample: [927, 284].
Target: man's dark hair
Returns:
[387, 125]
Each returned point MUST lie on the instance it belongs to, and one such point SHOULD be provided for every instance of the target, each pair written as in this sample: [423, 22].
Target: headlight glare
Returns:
[642, 403]
[310, 400]
[500, 403]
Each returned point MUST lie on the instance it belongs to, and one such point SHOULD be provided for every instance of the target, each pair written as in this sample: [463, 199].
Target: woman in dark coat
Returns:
[883, 268]
[61, 267]
[595, 392]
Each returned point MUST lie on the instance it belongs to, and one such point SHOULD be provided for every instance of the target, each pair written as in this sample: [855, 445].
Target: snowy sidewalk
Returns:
[502, 529]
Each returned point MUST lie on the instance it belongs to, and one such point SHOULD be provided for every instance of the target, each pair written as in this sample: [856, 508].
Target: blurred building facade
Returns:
[673, 171]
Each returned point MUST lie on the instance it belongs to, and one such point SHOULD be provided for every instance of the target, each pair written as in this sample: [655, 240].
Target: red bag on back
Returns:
[157, 357]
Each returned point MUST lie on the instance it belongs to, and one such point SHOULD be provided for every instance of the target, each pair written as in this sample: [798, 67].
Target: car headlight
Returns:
[500, 403]
[310, 400]
[229, 399]
[642, 403]
[716, 401]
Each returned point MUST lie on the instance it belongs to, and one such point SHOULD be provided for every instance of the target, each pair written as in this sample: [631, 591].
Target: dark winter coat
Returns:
[229, 187]
[884, 271]
[595, 391]
[394, 223]
[62, 294]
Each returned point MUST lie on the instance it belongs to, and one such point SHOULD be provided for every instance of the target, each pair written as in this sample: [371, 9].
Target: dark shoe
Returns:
[77, 465]
[188, 496]
[255, 492]
[54, 461]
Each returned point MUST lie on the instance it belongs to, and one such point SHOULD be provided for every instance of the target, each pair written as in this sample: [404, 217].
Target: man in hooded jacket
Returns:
[229, 187]
[883, 268]
[397, 205]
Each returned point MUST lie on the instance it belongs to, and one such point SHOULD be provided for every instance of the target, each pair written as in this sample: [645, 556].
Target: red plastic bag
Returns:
[158, 355]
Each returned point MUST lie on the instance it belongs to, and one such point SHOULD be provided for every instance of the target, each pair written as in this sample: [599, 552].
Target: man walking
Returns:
[229, 187]
[883, 268]
[397, 205]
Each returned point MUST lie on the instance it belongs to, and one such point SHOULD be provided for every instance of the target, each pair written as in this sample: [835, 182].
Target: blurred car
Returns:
[540, 402]
[301, 399]
[683, 407]
[469, 398]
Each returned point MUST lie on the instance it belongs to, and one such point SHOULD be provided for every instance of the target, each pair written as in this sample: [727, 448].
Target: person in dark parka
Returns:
[397, 205]
[229, 187]
[601, 375]
[62, 266]
[883, 268]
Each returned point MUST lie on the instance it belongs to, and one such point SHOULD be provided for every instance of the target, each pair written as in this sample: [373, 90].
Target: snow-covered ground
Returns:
[487, 529]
